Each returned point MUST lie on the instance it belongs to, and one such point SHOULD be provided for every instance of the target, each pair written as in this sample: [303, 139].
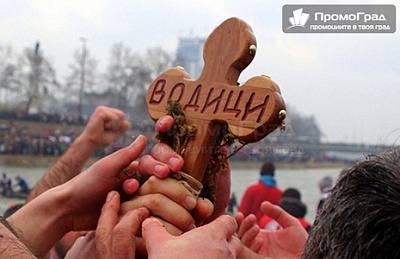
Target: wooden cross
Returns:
[251, 111]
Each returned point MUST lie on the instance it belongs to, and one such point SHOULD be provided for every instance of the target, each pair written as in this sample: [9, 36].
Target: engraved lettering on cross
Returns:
[251, 111]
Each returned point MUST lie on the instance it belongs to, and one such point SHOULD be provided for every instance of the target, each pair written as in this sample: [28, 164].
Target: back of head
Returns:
[292, 192]
[291, 203]
[293, 206]
[361, 218]
[326, 183]
[268, 168]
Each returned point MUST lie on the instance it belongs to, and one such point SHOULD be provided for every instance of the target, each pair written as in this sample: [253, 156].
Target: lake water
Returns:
[305, 180]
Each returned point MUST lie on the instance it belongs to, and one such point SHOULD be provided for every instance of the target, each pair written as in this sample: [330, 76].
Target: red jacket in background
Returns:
[255, 195]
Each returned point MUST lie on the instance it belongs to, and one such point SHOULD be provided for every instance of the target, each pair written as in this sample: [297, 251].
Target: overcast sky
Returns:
[349, 82]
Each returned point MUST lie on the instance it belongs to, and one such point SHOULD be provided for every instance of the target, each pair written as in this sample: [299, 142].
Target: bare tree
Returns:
[125, 74]
[118, 75]
[35, 80]
[156, 60]
[7, 72]
[82, 77]
[129, 75]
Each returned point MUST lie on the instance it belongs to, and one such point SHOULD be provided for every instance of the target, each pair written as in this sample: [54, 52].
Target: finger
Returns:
[203, 210]
[153, 232]
[148, 166]
[130, 186]
[107, 220]
[122, 129]
[235, 246]
[122, 158]
[109, 215]
[83, 246]
[164, 123]
[164, 153]
[170, 188]
[171, 228]
[113, 120]
[162, 207]
[224, 226]
[279, 215]
[257, 244]
[123, 236]
[239, 218]
[249, 235]
[247, 223]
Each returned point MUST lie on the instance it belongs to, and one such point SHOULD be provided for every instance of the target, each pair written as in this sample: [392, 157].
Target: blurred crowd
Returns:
[47, 142]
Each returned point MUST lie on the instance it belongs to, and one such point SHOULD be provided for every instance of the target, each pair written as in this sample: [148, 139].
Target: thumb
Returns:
[122, 158]
[154, 232]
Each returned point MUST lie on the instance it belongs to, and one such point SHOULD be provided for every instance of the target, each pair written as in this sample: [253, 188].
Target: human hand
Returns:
[75, 205]
[214, 240]
[222, 180]
[166, 198]
[170, 201]
[113, 238]
[104, 127]
[287, 242]
[95, 182]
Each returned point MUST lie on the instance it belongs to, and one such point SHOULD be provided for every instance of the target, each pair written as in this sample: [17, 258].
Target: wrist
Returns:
[87, 142]
[43, 221]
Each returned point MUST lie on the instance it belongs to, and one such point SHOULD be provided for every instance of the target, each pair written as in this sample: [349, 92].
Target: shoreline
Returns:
[48, 161]
[34, 161]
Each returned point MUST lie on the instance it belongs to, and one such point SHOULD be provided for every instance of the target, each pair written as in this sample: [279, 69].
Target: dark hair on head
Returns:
[361, 218]
[268, 168]
[292, 193]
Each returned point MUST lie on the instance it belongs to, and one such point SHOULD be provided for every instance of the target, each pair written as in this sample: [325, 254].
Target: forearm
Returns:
[42, 222]
[11, 245]
[67, 167]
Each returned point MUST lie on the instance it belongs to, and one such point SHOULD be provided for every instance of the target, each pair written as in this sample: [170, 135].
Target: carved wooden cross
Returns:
[251, 111]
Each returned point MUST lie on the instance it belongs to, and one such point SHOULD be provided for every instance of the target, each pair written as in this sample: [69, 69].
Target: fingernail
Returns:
[139, 138]
[190, 202]
[174, 162]
[110, 195]
[162, 121]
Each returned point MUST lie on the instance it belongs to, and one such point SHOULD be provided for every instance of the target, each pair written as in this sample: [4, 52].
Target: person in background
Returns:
[265, 190]
[291, 203]
[359, 220]
[325, 186]
[22, 185]
[6, 185]
[232, 204]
